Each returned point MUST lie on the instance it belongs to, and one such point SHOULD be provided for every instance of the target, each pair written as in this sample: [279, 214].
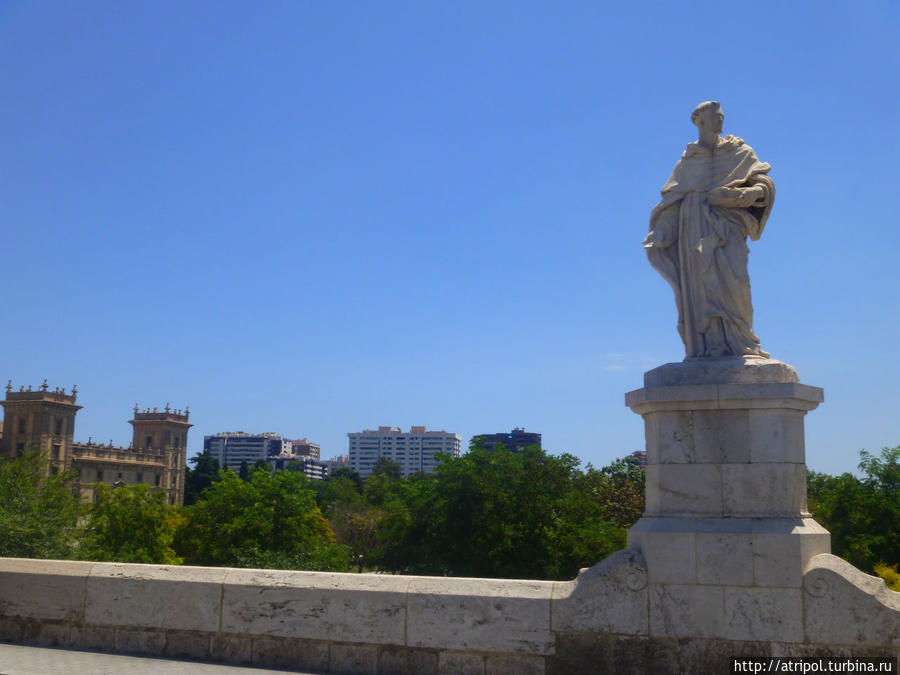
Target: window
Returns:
[21, 425]
[99, 474]
[149, 441]
[140, 477]
[119, 476]
[54, 470]
[54, 451]
[158, 480]
[20, 449]
[57, 426]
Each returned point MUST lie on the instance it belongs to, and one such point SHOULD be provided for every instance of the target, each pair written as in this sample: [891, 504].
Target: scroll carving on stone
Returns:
[719, 194]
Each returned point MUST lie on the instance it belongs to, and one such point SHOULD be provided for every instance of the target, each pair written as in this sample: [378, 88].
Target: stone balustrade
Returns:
[608, 619]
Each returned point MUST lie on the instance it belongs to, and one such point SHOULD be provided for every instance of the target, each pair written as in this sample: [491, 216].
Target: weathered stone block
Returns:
[763, 614]
[187, 644]
[231, 649]
[670, 437]
[777, 436]
[582, 653]
[846, 606]
[10, 629]
[652, 504]
[653, 656]
[93, 638]
[43, 589]
[405, 661]
[136, 641]
[690, 489]
[714, 655]
[290, 654]
[783, 546]
[669, 548]
[460, 663]
[724, 557]
[491, 615]
[520, 664]
[154, 596]
[765, 490]
[686, 611]
[47, 634]
[363, 608]
[721, 436]
[608, 597]
[353, 659]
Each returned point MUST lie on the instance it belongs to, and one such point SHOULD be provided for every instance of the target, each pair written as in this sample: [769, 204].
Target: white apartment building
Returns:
[415, 450]
[233, 447]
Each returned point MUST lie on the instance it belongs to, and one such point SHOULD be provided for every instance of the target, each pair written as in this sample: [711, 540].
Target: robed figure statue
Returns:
[718, 194]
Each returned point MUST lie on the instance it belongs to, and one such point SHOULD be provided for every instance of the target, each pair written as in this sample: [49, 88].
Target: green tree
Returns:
[499, 514]
[38, 512]
[268, 520]
[334, 491]
[130, 524]
[350, 474]
[387, 467]
[355, 525]
[204, 473]
[861, 513]
[244, 471]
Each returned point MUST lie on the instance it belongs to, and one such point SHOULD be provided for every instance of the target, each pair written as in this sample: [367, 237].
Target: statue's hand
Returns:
[749, 196]
[655, 239]
[723, 196]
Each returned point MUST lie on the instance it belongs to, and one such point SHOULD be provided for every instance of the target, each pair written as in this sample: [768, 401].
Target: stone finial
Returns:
[44, 386]
[135, 409]
[155, 409]
[63, 391]
[29, 387]
[8, 386]
[74, 390]
[21, 387]
[168, 409]
[187, 412]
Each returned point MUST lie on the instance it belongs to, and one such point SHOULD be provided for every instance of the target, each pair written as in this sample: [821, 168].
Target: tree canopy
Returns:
[861, 513]
[38, 511]
[130, 524]
[267, 520]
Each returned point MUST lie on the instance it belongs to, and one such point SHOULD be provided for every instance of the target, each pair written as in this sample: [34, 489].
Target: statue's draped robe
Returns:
[701, 249]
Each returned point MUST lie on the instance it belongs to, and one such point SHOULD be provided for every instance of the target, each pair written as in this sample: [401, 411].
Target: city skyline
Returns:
[316, 218]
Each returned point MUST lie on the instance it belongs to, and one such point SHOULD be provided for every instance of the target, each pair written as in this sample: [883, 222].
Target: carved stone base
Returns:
[726, 533]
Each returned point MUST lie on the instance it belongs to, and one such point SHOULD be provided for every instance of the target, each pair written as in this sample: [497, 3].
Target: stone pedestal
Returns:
[726, 527]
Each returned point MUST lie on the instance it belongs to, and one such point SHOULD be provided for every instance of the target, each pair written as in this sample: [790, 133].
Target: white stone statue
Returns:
[719, 193]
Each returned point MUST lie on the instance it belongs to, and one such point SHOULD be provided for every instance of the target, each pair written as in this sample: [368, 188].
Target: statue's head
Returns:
[708, 115]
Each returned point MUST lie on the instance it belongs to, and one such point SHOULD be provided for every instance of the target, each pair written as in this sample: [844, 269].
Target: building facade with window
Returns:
[232, 448]
[44, 419]
[415, 450]
[309, 467]
[305, 448]
[513, 441]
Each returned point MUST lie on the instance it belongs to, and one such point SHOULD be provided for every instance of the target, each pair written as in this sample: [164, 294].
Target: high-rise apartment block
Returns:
[305, 448]
[45, 420]
[513, 441]
[232, 448]
[415, 450]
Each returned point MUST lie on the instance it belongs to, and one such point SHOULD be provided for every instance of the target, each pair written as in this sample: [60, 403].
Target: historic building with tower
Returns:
[44, 418]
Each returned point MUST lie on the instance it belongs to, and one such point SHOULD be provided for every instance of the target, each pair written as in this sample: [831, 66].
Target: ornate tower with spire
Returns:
[165, 431]
[43, 419]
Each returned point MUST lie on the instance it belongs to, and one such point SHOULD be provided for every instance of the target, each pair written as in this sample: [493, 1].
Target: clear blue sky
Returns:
[319, 217]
